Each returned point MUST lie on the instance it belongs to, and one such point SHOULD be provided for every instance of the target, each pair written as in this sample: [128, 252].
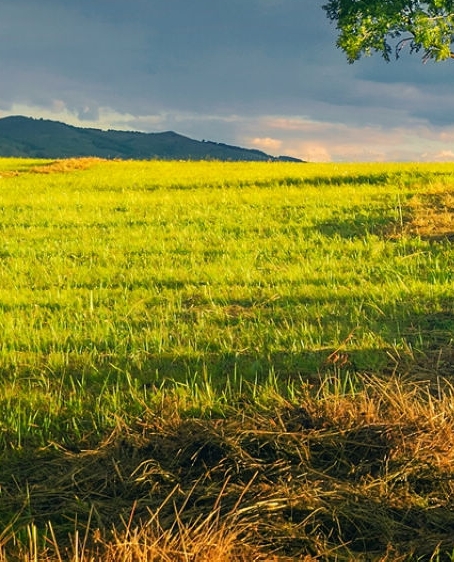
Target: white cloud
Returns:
[266, 143]
[311, 151]
[442, 156]
[323, 141]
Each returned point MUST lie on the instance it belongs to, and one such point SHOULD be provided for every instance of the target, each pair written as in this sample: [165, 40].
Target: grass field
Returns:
[226, 361]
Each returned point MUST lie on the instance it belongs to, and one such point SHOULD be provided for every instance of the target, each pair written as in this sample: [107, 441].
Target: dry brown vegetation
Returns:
[330, 475]
[433, 215]
[67, 165]
[428, 215]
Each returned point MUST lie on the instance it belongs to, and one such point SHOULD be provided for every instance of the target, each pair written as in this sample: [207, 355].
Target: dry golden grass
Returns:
[434, 215]
[365, 475]
[67, 165]
[430, 215]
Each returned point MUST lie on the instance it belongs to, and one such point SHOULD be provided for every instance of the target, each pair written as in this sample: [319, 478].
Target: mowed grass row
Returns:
[184, 336]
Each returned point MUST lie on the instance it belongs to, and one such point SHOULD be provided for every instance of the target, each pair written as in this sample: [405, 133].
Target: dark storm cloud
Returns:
[201, 53]
[261, 72]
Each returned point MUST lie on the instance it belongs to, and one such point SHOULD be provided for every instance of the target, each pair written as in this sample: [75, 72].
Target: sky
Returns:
[262, 74]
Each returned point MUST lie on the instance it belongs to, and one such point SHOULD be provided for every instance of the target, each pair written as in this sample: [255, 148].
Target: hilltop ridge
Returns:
[41, 138]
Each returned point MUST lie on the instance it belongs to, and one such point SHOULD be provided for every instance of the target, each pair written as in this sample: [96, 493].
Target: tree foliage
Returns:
[386, 26]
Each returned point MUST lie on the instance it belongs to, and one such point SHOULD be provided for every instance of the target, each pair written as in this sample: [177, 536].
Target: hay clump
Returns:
[313, 478]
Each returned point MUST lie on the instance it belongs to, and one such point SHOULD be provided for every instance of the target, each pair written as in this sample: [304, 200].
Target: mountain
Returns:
[40, 138]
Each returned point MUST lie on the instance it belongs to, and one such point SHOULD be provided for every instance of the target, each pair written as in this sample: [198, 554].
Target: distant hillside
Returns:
[39, 138]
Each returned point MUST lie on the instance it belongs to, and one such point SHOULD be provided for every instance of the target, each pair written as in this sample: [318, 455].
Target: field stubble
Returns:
[226, 361]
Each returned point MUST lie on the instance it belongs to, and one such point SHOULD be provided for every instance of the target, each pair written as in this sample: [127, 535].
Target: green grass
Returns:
[204, 290]
[212, 263]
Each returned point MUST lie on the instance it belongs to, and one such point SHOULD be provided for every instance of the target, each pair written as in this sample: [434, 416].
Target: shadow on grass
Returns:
[362, 225]
[380, 178]
[424, 342]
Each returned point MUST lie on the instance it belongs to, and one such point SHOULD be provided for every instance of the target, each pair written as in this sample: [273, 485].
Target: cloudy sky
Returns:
[257, 73]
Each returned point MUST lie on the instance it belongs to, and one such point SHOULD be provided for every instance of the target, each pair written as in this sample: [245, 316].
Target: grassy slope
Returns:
[244, 335]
